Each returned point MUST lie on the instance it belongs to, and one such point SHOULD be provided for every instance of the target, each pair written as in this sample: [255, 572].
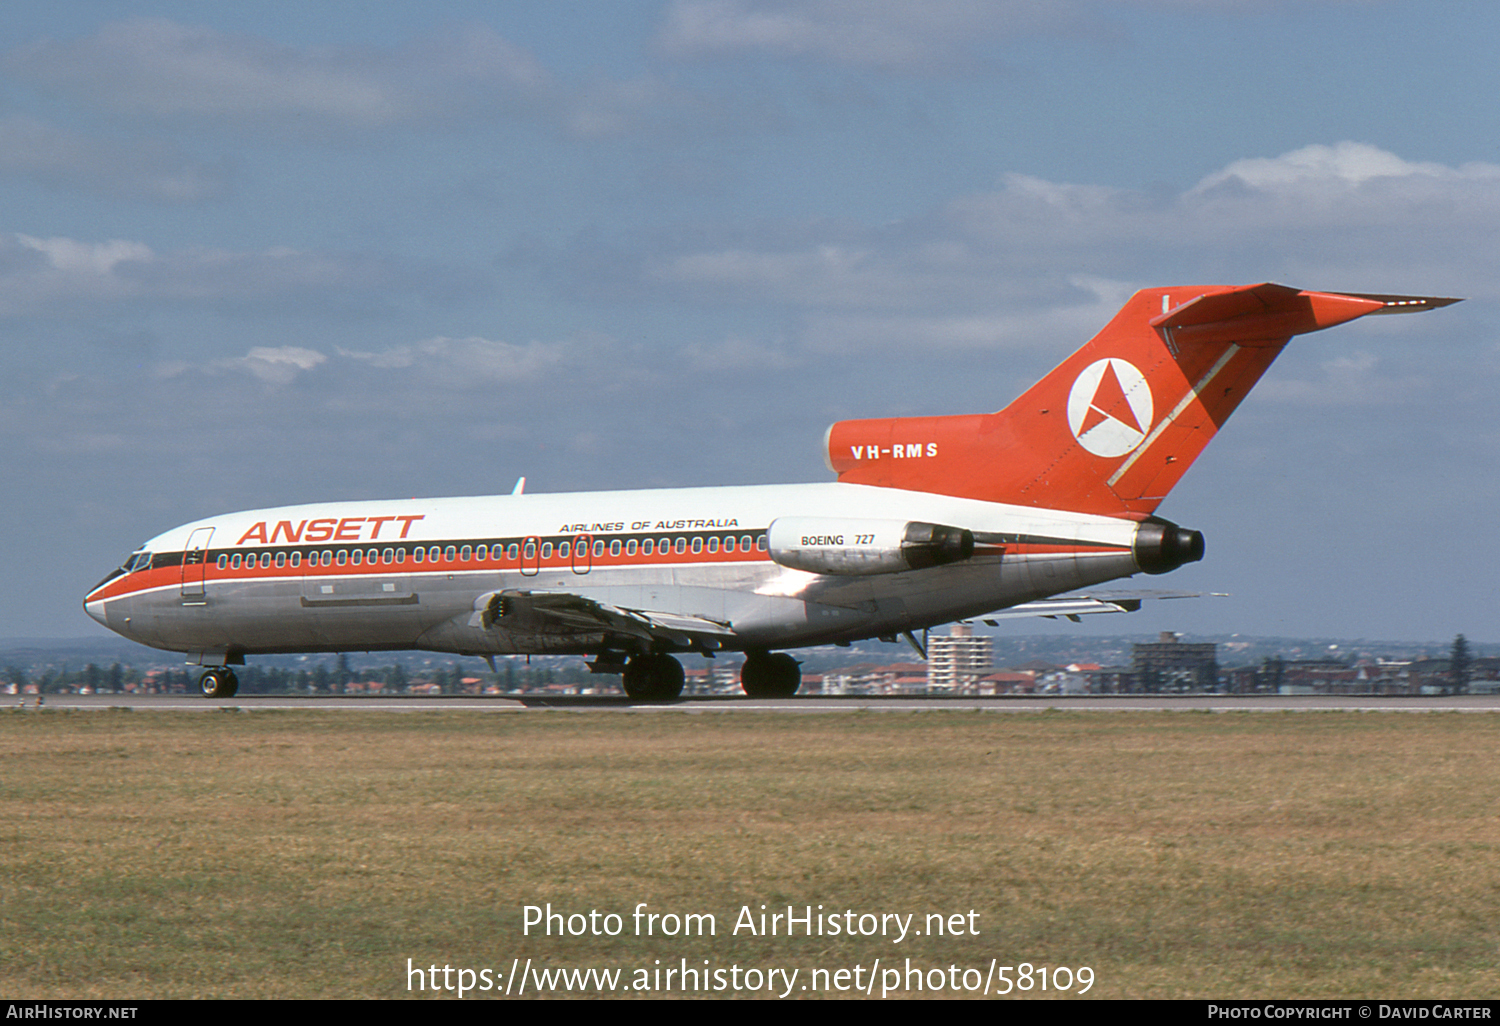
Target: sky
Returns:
[262, 253]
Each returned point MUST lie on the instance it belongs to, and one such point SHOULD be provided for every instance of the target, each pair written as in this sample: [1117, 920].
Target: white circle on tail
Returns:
[1109, 407]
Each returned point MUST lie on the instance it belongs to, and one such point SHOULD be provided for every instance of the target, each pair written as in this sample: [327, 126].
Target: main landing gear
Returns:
[770, 675]
[652, 678]
[219, 682]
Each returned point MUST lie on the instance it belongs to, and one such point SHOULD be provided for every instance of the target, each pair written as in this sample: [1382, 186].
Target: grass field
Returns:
[309, 854]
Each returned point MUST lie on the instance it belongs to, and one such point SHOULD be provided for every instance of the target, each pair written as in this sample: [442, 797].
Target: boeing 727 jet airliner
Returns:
[931, 520]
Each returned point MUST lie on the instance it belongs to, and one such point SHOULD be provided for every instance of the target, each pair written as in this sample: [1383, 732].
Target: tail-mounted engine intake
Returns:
[851, 546]
[1161, 546]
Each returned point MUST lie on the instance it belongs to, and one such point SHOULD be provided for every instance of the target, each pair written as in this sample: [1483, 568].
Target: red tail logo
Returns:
[1113, 428]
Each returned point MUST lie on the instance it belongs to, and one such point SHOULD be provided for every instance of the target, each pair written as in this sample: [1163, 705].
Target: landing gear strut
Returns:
[652, 678]
[770, 675]
[218, 683]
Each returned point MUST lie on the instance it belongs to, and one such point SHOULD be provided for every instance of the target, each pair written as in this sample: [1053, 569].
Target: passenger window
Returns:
[388, 555]
[513, 551]
[373, 556]
[356, 557]
[760, 543]
[465, 554]
[630, 547]
[401, 555]
[647, 546]
[729, 544]
[614, 547]
[531, 550]
[434, 554]
[713, 545]
[482, 553]
[234, 562]
[281, 559]
[418, 555]
[546, 550]
[450, 554]
[744, 543]
[342, 557]
[328, 557]
[681, 546]
[296, 559]
[223, 561]
[697, 546]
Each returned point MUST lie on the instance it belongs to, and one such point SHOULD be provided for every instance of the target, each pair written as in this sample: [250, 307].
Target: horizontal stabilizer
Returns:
[1271, 314]
[1083, 604]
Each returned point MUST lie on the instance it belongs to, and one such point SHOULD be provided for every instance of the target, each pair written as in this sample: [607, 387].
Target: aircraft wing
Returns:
[1078, 604]
[527, 609]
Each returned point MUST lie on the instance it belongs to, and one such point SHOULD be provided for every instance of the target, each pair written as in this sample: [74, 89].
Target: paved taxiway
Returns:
[807, 704]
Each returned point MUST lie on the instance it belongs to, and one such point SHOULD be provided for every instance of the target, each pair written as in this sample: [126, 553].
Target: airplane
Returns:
[930, 520]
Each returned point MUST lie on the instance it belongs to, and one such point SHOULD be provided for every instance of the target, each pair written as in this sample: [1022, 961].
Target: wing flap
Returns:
[524, 609]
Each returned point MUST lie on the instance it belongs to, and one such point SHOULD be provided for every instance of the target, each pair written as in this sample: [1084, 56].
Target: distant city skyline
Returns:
[260, 253]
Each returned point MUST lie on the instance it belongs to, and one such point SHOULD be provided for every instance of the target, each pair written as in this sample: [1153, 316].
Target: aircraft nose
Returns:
[96, 610]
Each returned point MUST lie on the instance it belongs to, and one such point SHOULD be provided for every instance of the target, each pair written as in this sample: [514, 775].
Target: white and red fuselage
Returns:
[405, 574]
[932, 519]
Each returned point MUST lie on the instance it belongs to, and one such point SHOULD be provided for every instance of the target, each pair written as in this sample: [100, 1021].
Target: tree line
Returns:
[322, 679]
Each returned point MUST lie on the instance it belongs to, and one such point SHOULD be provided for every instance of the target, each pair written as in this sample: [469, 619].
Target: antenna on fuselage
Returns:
[520, 488]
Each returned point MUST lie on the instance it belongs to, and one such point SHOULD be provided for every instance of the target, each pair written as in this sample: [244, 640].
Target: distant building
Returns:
[955, 662]
[1110, 680]
[872, 679]
[1171, 665]
[1006, 682]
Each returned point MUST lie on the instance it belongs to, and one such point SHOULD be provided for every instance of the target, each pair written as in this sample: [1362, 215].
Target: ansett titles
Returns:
[351, 529]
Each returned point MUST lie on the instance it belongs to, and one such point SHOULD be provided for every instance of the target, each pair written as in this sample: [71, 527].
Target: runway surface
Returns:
[809, 704]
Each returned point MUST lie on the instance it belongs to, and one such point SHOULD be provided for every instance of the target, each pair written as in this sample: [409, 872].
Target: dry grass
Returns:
[307, 854]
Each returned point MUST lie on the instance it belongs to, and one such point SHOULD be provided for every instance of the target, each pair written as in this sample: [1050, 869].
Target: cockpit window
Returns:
[136, 561]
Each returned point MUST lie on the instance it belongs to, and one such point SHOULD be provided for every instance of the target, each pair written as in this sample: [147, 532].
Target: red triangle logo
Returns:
[1109, 403]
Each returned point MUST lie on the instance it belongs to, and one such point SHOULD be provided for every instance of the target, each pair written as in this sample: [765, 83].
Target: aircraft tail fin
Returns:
[1113, 428]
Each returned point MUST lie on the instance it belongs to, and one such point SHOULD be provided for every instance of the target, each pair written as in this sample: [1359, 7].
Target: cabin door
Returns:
[195, 564]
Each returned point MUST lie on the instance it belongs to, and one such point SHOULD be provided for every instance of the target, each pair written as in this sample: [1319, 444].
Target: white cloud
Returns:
[1344, 164]
[737, 355]
[160, 68]
[1345, 216]
[275, 366]
[163, 70]
[67, 277]
[468, 362]
[134, 170]
[887, 33]
[908, 35]
[1071, 320]
[444, 363]
[94, 258]
[1353, 380]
